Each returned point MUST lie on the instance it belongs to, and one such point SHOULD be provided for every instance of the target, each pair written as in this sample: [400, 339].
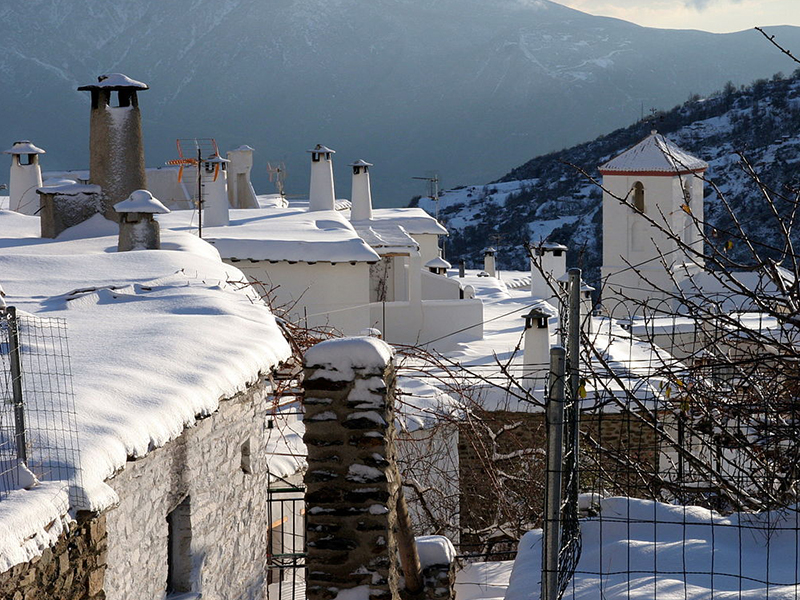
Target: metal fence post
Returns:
[16, 384]
[554, 414]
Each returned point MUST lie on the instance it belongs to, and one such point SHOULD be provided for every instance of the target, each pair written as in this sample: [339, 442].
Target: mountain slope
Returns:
[548, 197]
[467, 87]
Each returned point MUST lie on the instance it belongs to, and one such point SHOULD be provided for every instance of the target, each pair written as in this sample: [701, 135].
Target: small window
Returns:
[245, 461]
[557, 252]
[638, 197]
[315, 156]
[179, 549]
[27, 159]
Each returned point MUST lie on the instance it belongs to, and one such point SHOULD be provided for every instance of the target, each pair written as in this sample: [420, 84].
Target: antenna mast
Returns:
[433, 191]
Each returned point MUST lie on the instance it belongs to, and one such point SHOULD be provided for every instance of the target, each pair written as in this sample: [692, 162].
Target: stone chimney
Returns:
[536, 353]
[25, 177]
[549, 262]
[116, 146]
[321, 195]
[361, 196]
[215, 191]
[240, 190]
[587, 304]
[138, 230]
[488, 261]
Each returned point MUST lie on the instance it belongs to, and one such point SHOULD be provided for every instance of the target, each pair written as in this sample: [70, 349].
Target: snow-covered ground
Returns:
[638, 549]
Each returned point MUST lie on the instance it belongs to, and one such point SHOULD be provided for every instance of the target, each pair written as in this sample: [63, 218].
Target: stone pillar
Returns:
[351, 484]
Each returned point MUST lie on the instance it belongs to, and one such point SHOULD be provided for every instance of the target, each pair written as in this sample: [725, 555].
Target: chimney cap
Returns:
[114, 82]
[320, 149]
[216, 159]
[438, 263]
[489, 250]
[361, 163]
[243, 148]
[141, 201]
[24, 147]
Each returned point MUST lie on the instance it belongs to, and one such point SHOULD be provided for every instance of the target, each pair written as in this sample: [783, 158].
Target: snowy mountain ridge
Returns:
[548, 198]
[466, 87]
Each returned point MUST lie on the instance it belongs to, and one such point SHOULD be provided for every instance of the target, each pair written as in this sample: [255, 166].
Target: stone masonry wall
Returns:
[351, 482]
[502, 465]
[228, 515]
[72, 569]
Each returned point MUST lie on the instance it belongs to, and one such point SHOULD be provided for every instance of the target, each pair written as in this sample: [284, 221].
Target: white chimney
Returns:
[549, 262]
[586, 308]
[536, 353]
[361, 195]
[240, 190]
[321, 195]
[25, 178]
[215, 191]
[488, 261]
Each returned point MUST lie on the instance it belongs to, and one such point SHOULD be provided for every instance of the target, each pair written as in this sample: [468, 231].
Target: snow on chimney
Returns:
[549, 262]
[488, 261]
[138, 230]
[321, 195]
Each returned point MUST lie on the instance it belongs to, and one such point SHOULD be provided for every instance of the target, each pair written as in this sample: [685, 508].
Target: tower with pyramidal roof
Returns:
[650, 190]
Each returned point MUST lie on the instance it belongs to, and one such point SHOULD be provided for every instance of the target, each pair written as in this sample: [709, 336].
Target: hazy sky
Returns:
[708, 15]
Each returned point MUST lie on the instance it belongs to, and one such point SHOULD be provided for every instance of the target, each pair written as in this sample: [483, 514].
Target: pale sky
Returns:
[709, 15]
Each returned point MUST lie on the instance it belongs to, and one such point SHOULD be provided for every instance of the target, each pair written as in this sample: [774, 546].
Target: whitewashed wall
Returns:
[229, 517]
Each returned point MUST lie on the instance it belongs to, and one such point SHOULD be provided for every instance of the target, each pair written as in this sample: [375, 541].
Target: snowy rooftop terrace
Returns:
[156, 338]
[280, 234]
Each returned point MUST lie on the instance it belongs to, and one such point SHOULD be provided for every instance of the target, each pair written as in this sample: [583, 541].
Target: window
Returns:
[638, 196]
[179, 549]
[245, 461]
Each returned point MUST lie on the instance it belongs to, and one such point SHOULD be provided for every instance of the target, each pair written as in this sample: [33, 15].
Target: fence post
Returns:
[16, 383]
[554, 413]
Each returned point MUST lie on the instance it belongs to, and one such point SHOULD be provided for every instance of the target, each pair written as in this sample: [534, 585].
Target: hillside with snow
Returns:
[466, 87]
[548, 198]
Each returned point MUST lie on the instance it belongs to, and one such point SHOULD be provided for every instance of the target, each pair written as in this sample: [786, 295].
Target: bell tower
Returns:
[650, 190]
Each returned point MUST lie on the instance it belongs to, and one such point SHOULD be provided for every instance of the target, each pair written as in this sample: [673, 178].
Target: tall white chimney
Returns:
[548, 264]
[488, 261]
[240, 190]
[25, 177]
[215, 191]
[361, 196]
[536, 353]
[321, 195]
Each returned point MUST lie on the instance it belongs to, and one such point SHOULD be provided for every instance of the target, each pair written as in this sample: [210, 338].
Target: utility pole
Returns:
[199, 192]
[554, 414]
[434, 191]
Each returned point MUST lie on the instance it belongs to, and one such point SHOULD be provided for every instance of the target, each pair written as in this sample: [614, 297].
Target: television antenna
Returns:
[277, 175]
[433, 191]
[196, 152]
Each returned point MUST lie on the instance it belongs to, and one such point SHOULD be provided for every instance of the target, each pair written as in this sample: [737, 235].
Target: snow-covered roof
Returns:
[128, 316]
[141, 201]
[68, 187]
[413, 220]
[115, 81]
[654, 155]
[385, 237]
[280, 234]
[24, 147]
[438, 263]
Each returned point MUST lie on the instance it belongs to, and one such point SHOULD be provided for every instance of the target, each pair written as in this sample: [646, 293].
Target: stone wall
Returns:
[502, 465]
[72, 569]
[220, 465]
[351, 482]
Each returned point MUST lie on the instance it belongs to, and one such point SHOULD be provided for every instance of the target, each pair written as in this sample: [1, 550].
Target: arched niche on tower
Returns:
[637, 193]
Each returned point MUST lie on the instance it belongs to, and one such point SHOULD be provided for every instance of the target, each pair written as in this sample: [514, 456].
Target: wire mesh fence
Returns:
[689, 456]
[38, 424]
